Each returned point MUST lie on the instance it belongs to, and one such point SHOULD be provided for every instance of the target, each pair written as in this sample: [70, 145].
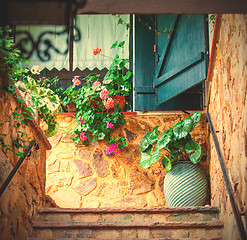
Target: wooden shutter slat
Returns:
[179, 69]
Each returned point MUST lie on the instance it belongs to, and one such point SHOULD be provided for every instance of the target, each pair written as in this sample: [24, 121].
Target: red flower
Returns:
[109, 103]
[96, 51]
[76, 81]
[104, 94]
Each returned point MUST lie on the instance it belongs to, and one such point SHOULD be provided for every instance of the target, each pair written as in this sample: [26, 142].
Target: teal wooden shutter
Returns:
[183, 60]
[144, 64]
[176, 82]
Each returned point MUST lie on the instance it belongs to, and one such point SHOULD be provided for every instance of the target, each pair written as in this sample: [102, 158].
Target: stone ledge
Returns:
[111, 225]
[131, 210]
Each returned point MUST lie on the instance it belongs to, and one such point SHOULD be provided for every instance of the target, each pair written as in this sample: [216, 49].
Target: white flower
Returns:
[35, 69]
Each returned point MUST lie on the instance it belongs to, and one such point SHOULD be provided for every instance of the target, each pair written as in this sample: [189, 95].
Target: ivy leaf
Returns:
[196, 116]
[149, 139]
[179, 131]
[145, 160]
[194, 147]
[155, 156]
[188, 124]
[164, 139]
[166, 162]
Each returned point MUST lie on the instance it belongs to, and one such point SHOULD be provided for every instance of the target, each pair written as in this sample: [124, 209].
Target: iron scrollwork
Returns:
[43, 46]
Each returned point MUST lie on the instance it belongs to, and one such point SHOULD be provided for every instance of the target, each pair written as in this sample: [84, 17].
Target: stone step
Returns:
[128, 223]
[129, 230]
[154, 214]
[131, 238]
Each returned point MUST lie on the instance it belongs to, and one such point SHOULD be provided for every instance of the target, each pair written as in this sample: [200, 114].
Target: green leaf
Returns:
[20, 154]
[114, 45]
[77, 139]
[155, 156]
[188, 124]
[121, 44]
[179, 131]
[194, 147]
[149, 139]
[196, 116]
[145, 160]
[166, 162]
[95, 139]
[149, 149]
[164, 139]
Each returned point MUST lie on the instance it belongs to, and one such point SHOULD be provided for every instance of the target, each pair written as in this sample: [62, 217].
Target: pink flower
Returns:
[112, 149]
[76, 81]
[43, 82]
[97, 83]
[104, 94]
[43, 77]
[81, 120]
[83, 137]
[109, 103]
[117, 151]
[108, 150]
[96, 51]
[109, 125]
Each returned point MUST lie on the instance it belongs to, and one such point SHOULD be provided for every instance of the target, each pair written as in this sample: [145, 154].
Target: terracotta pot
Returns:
[119, 100]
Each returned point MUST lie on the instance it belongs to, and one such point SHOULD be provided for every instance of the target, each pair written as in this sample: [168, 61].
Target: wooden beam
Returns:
[163, 6]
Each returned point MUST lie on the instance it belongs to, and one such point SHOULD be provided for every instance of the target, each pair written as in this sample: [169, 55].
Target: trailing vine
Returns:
[9, 69]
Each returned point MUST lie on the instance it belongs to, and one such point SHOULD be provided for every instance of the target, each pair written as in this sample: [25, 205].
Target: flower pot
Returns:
[185, 185]
[71, 107]
[119, 100]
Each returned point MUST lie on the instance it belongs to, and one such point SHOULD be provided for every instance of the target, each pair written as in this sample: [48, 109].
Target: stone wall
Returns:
[84, 176]
[24, 196]
[228, 109]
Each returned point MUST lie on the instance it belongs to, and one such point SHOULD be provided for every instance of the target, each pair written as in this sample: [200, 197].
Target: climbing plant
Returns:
[9, 69]
[41, 98]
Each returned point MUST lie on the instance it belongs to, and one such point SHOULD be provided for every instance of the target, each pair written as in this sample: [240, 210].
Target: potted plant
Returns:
[97, 114]
[185, 183]
[117, 79]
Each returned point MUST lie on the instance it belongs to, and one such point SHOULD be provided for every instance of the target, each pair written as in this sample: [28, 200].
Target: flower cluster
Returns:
[83, 137]
[96, 51]
[112, 149]
[76, 80]
[98, 112]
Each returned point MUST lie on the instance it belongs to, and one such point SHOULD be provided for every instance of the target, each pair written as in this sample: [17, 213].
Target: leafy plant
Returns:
[10, 64]
[43, 99]
[117, 79]
[97, 115]
[177, 141]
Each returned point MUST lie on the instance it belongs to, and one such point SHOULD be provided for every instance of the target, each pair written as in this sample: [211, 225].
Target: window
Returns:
[170, 67]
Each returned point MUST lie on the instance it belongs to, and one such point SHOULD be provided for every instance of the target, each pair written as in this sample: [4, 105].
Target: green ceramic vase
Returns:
[185, 185]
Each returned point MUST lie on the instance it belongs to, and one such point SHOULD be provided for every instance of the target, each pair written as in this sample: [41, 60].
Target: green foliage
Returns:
[117, 79]
[42, 98]
[177, 141]
[92, 116]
